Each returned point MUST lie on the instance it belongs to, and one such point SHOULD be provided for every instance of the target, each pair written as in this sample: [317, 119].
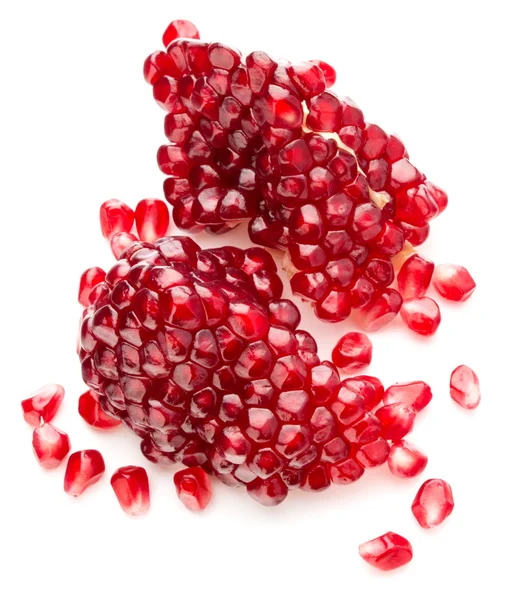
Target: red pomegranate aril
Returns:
[132, 490]
[179, 28]
[308, 79]
[91, 412]
[465, 387]
[373, 454]
[433, 503]
[157, 65]
[345, 472]
[152, 219]
[416, 394]
[50, 445]
[120, 241]
[397, 420]
[406, 460]
[454, 282]
[387, 552]
[328, 71]
[89, 279]
[352, 352]
[84, 468]
[43, 405]
[269, 492]
[115, 217]
[421, 315]
[415, 276]
[193, 488]
[380, 311]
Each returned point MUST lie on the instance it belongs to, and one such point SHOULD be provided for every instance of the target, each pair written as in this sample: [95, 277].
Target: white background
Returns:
[78, 126]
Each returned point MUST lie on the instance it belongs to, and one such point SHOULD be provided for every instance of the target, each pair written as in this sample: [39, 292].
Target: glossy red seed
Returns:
[380, 311]
[373, 454]
[308, 78]
[454, 282]
[180, 28]
[50, 445]
[157, 65]
[415, 276]
[352, 352]
[120, 241]
[415, 393]
[465, 387]
[115, 217]
[152, 219]
[84, 468]
[387, 552]
[92, 413]
[421, 315]
[397, 420]
[328, 72]
[43, 405]
[269, 492]
[89, 279]
[345, 472]
[433, 503]
[193, 488]
[406, 460]
[132, 490]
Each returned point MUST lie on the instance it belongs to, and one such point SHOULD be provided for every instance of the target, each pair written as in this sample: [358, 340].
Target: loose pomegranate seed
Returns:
[387, 552]
[421, 315]
[115, 217]
[454, 282]
[352, 352]
[180, 28]
[120, 241]
[406, 460]
[465, 387]
[43, 405]
[397, 420]
[380, 311]
[193, 488]
[50, 445]
[132, 490]
[433, 503]
[328, 72]
[91, 412]
[152, 219]
[415, 393]
[84, 468]
[90, 278]
[415, 276]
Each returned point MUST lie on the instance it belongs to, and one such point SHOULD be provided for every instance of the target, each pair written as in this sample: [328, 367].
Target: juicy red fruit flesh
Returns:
[43, 405]
[92, 413]
[193, 488]
[50, 445]
[465, 387]
[84, 468]
[353, 352]
[132, 490]
[433, 503]
[387, 552]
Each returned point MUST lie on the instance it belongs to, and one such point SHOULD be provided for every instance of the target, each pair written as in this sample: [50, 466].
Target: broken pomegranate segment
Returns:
[465, 387]
[43, 405]
[115, 217]
[50, 445]
[132, 490]
[454, 282]
[415, 393]
[89, 279]
[406, 460]
[152, 219]
[84, 468]
[421, 315]
[387, 552]
[397, 420]
[193, 488]
[415, 276]
[91, 412]
[433, 503]
[353, 352]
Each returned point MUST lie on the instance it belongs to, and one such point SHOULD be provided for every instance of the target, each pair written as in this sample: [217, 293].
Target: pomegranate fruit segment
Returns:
[353, 352]
[421, 315]
[387, 552]
[120, 241]
[397, 420]
[115, 217]
[406, 460]
[433, 503]
[43, 405]
[89, 279]
[415, 276]
[84, 468]
[50, 445]
[91, 412]
[132, 490]
[465, 387]
[193, 488]
[454, 282]
[415, 393]
[152, 219]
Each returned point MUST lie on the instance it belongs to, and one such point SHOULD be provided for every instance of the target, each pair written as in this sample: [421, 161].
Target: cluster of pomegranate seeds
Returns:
[353, 352]
[84, 468]
[465, 387]
[387, 552]
[433, 503]
[193, 488]
[43, 405]
[50, 445]
[132, 490]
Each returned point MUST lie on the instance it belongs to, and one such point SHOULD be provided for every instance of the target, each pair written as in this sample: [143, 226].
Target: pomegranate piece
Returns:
[115, 217]
[406, 460]
[132, 490]
[433, 503]
[387, 552]
[193, 488]
[397, 420]
[89, 279]
[180, 28]
[43, 405]
[415, 393]
[84, 468]
[152, 219]
[352, 352]
[50, 445]
[415, 276]
[91, 412]
[454, 282]
[465, 387]
[421, 315]
[120, 241]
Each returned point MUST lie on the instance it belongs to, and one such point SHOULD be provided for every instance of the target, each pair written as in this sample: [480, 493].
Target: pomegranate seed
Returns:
[89, 279]
[115, 217]
[387, 552]
[465, 387]
[308, 78]
[406, 460]
[454, 282]
[380, 311]
[132, 490]
[345, 472]
[84, 468]
[92, 413]
[415, 393]
[373, 454]
[43, 405]
[415, 276]
[120, 241]
[397, 420]
[269, 492]
[421, 315]
[50, 445]
[352, 352]
[328, 72]
[193, 488]
[433, 503]
[152, 219]
[180, 28]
